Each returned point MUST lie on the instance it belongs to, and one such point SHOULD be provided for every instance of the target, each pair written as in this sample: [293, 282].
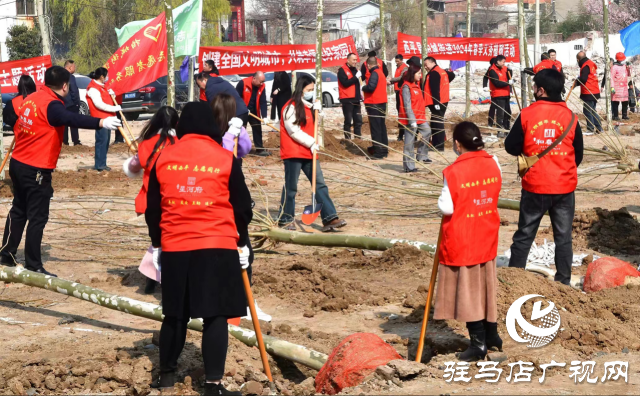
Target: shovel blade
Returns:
[311, 213]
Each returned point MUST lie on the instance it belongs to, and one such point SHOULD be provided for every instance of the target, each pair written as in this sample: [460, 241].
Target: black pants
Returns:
[492, 113]
[438, 135]
[400, 126]
[503, 112]
[31, 201]
[75, 137]
[352, 116]
[377, 115]
[118, 138]
[614, 108]
[561, 208]
[256, 128]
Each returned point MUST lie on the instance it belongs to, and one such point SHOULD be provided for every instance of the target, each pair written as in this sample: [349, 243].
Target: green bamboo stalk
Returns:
[276, 347]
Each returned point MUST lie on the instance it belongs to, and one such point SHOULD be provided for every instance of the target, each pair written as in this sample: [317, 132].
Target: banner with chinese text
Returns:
[140, 60]
[249, 59]
[11, 71]
[460, 48]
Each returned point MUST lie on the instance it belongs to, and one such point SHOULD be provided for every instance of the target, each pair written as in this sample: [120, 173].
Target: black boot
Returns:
[477, 349]
[211, 389]
[150, 287]
[165, 380]
[492, 338]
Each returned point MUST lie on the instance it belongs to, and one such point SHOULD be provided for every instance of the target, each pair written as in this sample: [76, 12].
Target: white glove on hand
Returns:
[317, 105]
[111, 92]
[111, 123]
[358, 74]
[414, 125]
[156, 258]
[437, 107]
[244, 252]
[486, 89]
[314, 148]
[235, 125]
[511, 82]
[118, 108]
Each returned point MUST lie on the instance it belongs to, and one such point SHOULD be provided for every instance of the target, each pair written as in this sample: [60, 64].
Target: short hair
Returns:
[500, 57]
[69, 62]
[552, 81]
[372, 61]
[202, 76]
[551, 51]
[372, 53]
[468, 135]
[544, 56]
[431, 59]
[399, 57]
[56, 76]
[351, 53]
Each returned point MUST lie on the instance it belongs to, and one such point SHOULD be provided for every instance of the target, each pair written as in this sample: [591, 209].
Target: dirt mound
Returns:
[399, 256]
[273, 141]
[113, 149]
[608, 231]
[6, 187]
[93, 182]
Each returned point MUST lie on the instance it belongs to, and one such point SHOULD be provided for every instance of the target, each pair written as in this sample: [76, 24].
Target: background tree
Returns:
[622, 13]
[23, 42]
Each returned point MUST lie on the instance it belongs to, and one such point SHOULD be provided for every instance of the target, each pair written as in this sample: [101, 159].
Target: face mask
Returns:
[536, 96]
[308, 96]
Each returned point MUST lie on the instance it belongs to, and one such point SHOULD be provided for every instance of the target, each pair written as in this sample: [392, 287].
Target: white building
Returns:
[353, 18]
[19, 12]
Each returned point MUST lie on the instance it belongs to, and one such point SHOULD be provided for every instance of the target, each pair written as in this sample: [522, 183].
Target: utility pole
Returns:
[607, 64]
[291, 42]
[191, 82]
[171, 60]
[382, 33]
[467, 105]
[44, 29]
[536, 50]
[523, 76]
[424, 14]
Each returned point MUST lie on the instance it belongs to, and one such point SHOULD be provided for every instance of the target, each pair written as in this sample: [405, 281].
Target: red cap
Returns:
[620, 57]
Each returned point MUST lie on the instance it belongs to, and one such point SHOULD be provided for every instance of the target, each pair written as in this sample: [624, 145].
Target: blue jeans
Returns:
[593, 119]
[292, 168]
[102, 146]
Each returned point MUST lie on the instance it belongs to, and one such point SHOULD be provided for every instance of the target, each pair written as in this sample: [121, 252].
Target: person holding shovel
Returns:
[202, 231]
[469, 242]
[297, 145]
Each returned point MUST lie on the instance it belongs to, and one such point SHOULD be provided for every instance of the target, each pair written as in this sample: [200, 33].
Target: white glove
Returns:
[358, 74]
[117, 109]
[511, 82]
[486, 89]
[317, 105]
[244, 252]
[111, 123]
[314, 148]
[235, 125]
[414, 125]
[156, 257]
[111, 92]
[437, 107]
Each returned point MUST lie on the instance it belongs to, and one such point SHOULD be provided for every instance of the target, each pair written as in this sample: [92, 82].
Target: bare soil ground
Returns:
[56, 344]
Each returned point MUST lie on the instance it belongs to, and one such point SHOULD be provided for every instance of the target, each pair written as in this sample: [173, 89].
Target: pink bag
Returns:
[147, 268]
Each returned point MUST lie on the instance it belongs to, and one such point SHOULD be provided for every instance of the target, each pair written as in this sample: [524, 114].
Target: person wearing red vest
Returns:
[412, 117]
[550, 184]
[397, 81]
[589, 91]
[198, 213]
[42, 117]
[251, 90]
[556, 62]
[467, 276]
[26, 86]
[545, 63]
[297, 145]
[350, 98]
[209, 67]
[500, 81]
[436, 98]
[364, 70]
[375, 102]
[98, 99]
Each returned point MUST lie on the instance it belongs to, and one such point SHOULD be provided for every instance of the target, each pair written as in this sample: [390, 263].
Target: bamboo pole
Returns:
[424, 14]
[276, 347]
[523, 75]
[467, 105]
[383, 50]
[607, 65]
[536, 47]
[290, 37]
[171, 60]
[320, 10]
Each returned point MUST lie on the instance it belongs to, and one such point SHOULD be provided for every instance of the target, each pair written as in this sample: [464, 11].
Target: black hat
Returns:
[197, 118]
[414, 60]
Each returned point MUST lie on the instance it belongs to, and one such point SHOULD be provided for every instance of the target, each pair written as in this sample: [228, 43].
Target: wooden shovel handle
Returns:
[6, 157]
[256, 325]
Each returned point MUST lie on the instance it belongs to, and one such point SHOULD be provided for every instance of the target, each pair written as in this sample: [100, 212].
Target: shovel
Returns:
[311, 212]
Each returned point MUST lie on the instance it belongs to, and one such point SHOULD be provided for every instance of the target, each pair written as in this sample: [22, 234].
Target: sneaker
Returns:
[43, 271]
[427, 161]
[625, 117]
[287, 226]
[333, 225]
[78, 144]
[615, 119]
[261, 315]
[118, 141]
[106, 168]
[411, 170]
[211, 389]
[263, 153]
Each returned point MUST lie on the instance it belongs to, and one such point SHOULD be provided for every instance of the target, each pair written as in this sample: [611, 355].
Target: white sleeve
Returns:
[495, 158]
[95, 96]
[296, 133]
[445, 203]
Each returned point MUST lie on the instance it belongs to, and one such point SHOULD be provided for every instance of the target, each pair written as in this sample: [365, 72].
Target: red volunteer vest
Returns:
[545, 64]
[248, 89]
[380, 94]
[194, 184]
[37, 142]
[399, 70]
[289, 148]
[444, 88]
[367, 73]
[591, 87]
[106, 98]
[470, 235]
[17, 102]
[558, 65]
[203, 96]
[417, 105]
[502, 76]
[145, 151]
[556, 172]
[347, 92]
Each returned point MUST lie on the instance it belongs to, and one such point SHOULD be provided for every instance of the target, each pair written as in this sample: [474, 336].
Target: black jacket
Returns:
[218, 85]
[73, 98]
[252, 106]
[363, 70]
[373, 82]
[347, 82]
[514, 143]
[584, 76]
[9, 115]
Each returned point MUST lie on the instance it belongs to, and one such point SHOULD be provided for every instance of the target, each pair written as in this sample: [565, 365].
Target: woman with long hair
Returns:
[413, 119]
[297, 145]
[98, 98]
[26, 86]
[467, 276]
[201, 229]
[224, 111]
[280, 93]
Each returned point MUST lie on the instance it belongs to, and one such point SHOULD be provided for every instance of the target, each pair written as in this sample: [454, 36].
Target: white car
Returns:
[82, 82]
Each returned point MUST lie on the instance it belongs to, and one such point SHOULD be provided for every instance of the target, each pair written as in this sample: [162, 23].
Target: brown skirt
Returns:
[467, 294]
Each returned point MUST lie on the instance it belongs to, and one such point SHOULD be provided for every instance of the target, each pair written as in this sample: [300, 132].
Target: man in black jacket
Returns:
[375, 102]
[501, 93]
[72, 103]
[440, 100]
[350, 97]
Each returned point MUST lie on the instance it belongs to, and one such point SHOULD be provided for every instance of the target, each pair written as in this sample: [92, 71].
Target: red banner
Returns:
[10, 72]
[141, 60]
[250, 59]
[460, 48]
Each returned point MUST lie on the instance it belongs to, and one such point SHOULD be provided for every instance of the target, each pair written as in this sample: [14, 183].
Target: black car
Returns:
[150, 98]
[6, 97]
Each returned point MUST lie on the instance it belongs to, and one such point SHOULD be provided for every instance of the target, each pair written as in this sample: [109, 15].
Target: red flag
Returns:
[11, 71]
[141, 60]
